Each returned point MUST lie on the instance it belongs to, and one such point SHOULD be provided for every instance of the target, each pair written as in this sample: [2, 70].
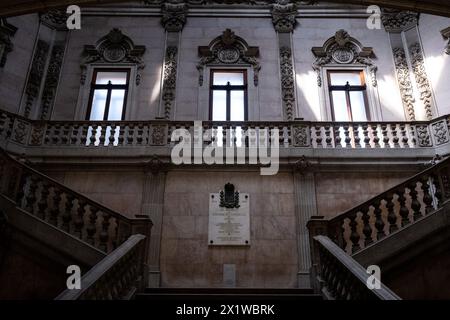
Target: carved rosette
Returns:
[300, 136]
[284, 16]
[344, 50]
[398, 21]
[6, 46]
[51, 81]
[287, 82]
[423, 84]
[174, 15]
[446, 34]
[36, 75]
[115, 47]
[404, 82]
[229, 49]
[170, 80]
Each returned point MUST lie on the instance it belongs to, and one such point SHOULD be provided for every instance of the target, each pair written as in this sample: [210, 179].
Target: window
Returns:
[228, 96]
[348, 95]
[109, 90]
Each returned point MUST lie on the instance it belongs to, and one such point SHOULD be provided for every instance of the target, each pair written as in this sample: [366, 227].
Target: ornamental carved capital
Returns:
[398, 21]
[174, 15]
[284, 14]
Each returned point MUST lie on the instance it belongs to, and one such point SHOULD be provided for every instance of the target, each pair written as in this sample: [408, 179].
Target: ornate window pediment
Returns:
[229, 49]
[343, 50]
[115, 47]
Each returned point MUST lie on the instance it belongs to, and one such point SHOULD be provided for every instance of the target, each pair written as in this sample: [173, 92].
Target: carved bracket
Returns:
[55, 19]
[174, 15]
[343, 50]
[115, 47]
[229, 49]
[397, 21]
[284, 16]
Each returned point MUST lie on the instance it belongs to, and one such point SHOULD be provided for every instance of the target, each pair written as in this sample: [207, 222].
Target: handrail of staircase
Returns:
[388, 212]
[342, 278]
[117, 277]
[68, 210]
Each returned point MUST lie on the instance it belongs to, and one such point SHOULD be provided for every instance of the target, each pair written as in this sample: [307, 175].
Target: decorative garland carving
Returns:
[6, 46]
[343, 50]
[51, 81]
[287, 82]
[284, 15]
[420, 74]
[446, 34]
[229, 49]
[404, 81]
[398, 21]
[115, 47]
[170, 80]
[36, 75]
[174, 15]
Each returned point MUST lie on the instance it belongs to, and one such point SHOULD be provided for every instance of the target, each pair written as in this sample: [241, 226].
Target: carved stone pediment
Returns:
[115, 47]
[229, 49]
[6, 46]
[342, 49]
[398, 21]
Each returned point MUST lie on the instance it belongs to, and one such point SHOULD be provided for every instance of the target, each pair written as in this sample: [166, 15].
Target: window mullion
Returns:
[108, 102]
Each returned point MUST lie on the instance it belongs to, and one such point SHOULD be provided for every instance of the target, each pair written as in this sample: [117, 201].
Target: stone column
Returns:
[415, 87]
[152, 206]
[284, 21]
[174, 18]
[305, 208]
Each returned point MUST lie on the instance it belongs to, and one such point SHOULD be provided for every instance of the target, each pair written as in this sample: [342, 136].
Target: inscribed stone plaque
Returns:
[229, 226]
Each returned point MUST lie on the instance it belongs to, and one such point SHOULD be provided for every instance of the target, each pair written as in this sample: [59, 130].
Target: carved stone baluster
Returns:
[328, 139]
[67, 215]
[356, 137]
[140, 134]
[319, 138]
[386, 139]
[54, 213]
[379, 223]
[337, 136]
[130, 134]
[112, 133]
[367, 228]
[104, 234]
[92, 225]
[376, 139]
[102, 138]
[74, 135]
[415, 204]
[427, 198]
[30, 196]
[395, 137]
[84, 132]
[405, 140]
[365, 128]
[348, 139]
[120, 139]
[79, 219]
[56, 134]
[391, 217]
[43, 201]
[404, 211]
[354, 235]
[93, 134]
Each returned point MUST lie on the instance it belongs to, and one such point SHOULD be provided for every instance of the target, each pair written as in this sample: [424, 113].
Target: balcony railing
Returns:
[292, 134]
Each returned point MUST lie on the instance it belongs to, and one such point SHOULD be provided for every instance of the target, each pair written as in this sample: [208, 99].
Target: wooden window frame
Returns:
[109, 87]
[348, 88]
[228, 88]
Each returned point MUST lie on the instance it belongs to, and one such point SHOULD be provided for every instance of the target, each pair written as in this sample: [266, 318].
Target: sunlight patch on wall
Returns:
[307, 87]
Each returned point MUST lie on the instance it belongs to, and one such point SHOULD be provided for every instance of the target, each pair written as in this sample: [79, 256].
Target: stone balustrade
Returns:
[388, 212]
[117, 277]
[64, 208]
[292, 134]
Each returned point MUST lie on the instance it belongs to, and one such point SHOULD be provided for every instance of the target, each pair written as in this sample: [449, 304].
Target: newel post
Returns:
[317, 225]
[143, 225]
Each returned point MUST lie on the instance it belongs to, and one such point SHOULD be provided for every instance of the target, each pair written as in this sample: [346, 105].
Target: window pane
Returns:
[114, 77]
[237, 106]
[116, 106]
[219, 105]
[358, 106]
[341, 78]
[222, 78]
[98, 105]
[340, 106]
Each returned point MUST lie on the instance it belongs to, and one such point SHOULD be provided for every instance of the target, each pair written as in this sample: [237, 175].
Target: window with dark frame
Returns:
[108, 97]
[348, 95]
[228, 95]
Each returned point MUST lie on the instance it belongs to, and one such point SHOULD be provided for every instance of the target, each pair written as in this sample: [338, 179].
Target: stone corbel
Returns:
[446, 34]
[174, 15]
[284, 15]
[55, 19]
[396, 21]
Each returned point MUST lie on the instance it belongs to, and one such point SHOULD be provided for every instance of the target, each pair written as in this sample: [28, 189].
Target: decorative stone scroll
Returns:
[343, 50]
[6, 46]
[115, 47]
[404, 81]
[423, 84]
[229, 49]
